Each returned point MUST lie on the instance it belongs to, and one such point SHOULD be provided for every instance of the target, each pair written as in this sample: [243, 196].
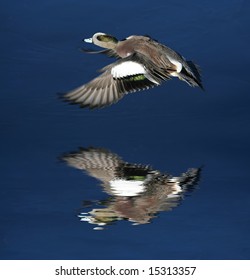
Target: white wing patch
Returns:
[176, 186]
[126, 188]
[176, 63]
[127, 68]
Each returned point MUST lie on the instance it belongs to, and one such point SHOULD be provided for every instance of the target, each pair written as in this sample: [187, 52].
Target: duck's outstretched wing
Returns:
[127, 75]
[100, 92]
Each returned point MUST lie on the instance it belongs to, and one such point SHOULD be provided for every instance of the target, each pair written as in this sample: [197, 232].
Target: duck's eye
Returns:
[107, 38]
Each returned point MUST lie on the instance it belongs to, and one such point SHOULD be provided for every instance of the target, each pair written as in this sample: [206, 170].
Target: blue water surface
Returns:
[172, 128]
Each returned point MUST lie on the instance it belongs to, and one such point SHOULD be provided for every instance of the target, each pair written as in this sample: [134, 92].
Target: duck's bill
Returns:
[89, 40]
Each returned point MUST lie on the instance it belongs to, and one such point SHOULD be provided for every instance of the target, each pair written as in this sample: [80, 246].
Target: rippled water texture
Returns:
[162, 174]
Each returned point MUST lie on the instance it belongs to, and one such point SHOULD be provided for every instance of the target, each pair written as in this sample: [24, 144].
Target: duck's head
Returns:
[103, 40]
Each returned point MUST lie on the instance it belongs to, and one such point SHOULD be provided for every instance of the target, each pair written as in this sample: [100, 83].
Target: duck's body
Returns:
[142, 63]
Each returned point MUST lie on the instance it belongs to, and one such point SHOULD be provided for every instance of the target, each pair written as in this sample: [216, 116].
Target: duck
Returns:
[142, 63]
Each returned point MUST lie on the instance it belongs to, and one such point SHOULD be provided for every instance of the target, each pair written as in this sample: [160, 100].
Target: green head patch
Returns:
[107, 38]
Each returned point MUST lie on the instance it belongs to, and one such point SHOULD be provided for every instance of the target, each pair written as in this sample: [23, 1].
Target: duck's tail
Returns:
[191, 74]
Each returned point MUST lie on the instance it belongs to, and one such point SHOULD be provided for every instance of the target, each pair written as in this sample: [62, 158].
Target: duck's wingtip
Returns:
[65, 98]
[61, 95]
[202, 87]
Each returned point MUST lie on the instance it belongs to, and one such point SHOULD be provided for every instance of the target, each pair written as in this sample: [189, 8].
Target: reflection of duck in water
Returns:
[138, 191]
[142, 63]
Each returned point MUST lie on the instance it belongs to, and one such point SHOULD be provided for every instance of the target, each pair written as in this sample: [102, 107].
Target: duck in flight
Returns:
[142, 63]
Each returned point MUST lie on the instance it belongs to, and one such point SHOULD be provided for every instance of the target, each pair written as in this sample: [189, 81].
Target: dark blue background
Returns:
[172, 127]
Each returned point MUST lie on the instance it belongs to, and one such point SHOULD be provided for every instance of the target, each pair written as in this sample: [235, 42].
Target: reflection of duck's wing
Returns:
[189, 179]
[170, 185]
[118, 177]
[168, 191]
[97, 162]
